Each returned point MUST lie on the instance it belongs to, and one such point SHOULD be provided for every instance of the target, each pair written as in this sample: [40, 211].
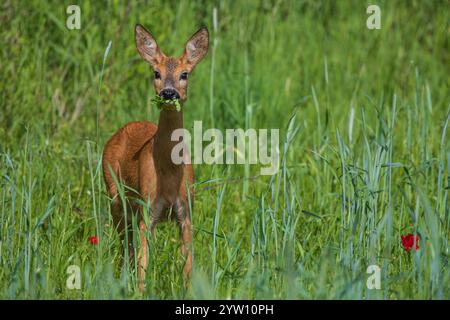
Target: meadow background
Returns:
[364, 143]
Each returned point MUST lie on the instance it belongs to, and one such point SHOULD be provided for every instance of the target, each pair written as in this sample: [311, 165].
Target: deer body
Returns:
[139, 154]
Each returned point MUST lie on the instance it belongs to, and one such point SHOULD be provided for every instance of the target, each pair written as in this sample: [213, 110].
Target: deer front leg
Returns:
[184, 223]
[143, 251]
[186, 249]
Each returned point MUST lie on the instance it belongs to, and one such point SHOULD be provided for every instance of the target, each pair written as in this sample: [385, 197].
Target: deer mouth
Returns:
[167, 104]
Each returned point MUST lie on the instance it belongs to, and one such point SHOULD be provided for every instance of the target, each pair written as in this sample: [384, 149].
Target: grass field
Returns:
[364, 141]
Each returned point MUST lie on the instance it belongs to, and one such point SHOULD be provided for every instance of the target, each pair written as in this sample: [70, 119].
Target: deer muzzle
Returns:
[169, 94]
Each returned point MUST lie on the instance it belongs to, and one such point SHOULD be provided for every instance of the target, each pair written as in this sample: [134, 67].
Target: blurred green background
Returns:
[364, 146]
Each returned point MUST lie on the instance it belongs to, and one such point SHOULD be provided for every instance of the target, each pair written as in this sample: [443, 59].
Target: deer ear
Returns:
[146, 45]
[197, 46]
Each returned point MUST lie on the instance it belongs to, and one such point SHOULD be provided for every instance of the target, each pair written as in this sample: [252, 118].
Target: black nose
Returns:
[169, 94]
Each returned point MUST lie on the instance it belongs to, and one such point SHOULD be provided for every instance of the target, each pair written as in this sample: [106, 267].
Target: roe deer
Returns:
[139, 154]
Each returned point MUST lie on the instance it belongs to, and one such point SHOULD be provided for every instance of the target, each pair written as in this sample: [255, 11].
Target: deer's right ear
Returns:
[146, 45]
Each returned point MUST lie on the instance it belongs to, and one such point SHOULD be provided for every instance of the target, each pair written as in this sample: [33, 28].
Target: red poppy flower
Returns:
[410, 241]
[93, 240]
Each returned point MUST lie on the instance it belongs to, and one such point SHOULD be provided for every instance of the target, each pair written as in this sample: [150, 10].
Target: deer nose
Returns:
[169, 94]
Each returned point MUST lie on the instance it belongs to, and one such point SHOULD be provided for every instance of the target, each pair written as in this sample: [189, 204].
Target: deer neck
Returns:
[169, 120]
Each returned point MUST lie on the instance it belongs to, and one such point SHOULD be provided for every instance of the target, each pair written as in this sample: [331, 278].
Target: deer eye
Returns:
[184, 76]
[157, 75]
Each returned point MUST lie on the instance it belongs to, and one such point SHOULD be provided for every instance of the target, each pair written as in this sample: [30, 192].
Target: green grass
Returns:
[364, 141]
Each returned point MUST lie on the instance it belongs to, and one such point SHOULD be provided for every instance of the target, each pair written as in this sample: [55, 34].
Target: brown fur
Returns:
[139, 155]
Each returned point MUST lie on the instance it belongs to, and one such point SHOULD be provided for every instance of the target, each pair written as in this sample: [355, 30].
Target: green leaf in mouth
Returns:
[160, 103]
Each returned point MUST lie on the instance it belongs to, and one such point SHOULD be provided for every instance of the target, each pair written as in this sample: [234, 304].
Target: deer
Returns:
[138, 155]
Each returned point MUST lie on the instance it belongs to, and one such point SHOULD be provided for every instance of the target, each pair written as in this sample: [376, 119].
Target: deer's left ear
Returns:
[197, 47]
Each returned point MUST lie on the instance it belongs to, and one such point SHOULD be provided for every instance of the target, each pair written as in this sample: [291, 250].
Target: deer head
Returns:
[171, 74]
